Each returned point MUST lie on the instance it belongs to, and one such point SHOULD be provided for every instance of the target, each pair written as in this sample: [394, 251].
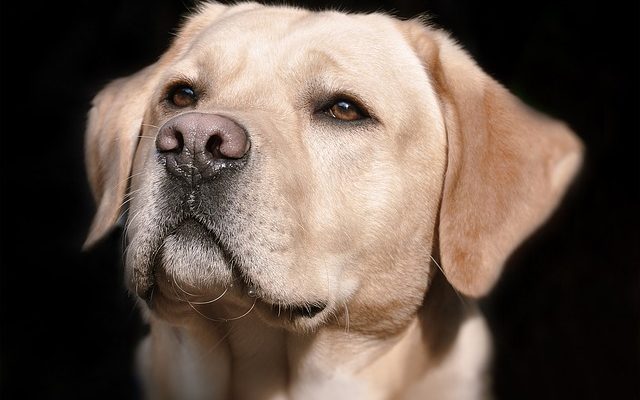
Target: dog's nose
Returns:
[197, 145]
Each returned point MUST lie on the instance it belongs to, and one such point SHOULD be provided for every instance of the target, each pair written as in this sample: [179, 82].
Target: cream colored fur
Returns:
[396, 224]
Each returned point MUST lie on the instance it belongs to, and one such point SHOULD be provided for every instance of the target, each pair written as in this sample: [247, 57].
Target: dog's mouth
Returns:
[282, 311]
[293, 311]
[227, 276]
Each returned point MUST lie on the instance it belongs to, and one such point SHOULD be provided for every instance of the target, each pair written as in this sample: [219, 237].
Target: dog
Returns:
[315, 200]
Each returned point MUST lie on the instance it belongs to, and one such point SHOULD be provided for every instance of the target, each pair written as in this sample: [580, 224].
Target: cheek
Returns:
[375, 202]
[363, 190]
[343, 191]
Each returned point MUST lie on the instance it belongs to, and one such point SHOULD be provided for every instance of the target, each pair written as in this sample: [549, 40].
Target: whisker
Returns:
[130, 222]
[175, 283]
[346, 313]
[210, 301]
[223, 319]
[202, 315]
[334, 314]
[243, 315]
[151, 125]
[125, 230]
[462, 300]
[136, 174]
[175, 293]
[130, 198]
[296, 220]
[132, 192]
[216, 344]
[181, 289]
[125, 180]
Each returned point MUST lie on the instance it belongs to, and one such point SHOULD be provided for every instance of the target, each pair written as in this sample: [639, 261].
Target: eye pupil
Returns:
[183, 96]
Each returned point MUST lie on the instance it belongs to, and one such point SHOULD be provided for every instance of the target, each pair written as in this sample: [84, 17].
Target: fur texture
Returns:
[387, 227]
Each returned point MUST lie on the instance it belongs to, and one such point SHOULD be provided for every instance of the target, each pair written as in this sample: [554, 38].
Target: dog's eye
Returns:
[345, 111]
[182, 96]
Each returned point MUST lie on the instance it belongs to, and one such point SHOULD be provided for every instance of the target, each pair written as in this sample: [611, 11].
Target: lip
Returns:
[294, 311]
[275, 310]
[282, 310]
[296, 317]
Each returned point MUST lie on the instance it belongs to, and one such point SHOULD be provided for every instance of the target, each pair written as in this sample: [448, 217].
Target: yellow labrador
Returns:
[314, 201]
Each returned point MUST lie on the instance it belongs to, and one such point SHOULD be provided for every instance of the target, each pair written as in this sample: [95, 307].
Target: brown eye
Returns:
[345, 111]
[182, 96]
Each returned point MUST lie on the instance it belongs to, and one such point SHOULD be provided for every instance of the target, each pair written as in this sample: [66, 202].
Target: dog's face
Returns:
[306, 166]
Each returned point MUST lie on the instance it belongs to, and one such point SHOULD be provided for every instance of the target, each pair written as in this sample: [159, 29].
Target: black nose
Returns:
[196, 146]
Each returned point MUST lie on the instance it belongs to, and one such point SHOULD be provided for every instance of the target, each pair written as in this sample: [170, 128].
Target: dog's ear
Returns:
[112, 133]
[115, 121]
[507, 165]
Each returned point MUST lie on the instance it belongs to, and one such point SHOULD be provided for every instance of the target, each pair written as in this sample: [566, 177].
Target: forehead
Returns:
[281, 41]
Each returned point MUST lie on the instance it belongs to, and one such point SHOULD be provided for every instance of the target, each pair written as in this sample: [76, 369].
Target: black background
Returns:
[564, 314]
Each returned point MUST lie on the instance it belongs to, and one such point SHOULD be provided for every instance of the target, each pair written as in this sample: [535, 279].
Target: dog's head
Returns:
[309, 164]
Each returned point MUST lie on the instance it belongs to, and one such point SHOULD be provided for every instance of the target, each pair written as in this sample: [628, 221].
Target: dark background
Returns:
[565, 314]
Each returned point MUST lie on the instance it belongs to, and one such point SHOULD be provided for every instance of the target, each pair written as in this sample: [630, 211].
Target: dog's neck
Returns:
[443, 351]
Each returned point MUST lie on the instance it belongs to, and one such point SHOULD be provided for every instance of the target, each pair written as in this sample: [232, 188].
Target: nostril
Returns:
[234, 142]
[170, 140]
[213, 146]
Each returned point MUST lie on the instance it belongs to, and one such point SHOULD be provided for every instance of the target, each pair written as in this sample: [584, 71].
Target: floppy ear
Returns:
[507, 165]
[113, 128]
